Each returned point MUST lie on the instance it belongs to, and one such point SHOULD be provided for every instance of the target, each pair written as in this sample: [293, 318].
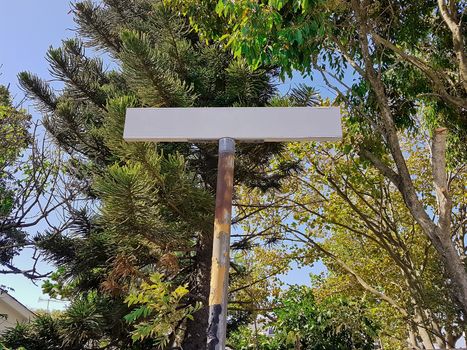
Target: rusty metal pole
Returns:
[221, 247]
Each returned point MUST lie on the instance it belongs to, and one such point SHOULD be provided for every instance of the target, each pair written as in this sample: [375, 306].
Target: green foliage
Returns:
[14, 133]
[318, 37]
[333, 324]
[69, 64]
[258, 32]
[160, 309]
[154, 203]
[148, 67]
[42, 333]
[407, 70]
[301, 322]
[15, 136]
[82, 326]
[246, 338]
[54, 287]
[83, 321]
[304, 95]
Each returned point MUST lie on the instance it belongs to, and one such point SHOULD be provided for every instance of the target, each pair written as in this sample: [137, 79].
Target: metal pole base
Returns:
[216, 333]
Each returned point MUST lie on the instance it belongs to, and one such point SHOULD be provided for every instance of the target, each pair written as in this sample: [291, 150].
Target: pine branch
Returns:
[150, 73]
[81, 75]
[93, 23]
[39, 91]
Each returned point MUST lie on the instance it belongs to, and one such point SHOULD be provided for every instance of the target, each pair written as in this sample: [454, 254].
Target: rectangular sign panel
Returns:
[247, 124]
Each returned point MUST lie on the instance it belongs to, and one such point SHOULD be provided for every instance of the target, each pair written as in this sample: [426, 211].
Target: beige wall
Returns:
[13, 316]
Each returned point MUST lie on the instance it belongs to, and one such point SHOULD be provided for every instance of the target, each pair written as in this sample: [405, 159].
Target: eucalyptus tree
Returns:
[342, 211]
[409, 61]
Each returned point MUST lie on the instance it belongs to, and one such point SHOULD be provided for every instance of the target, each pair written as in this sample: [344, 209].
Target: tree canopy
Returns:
[384, 210]
[410, 61]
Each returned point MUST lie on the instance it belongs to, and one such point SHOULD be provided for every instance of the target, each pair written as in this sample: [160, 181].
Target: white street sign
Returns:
[227, 125]
[244, 124]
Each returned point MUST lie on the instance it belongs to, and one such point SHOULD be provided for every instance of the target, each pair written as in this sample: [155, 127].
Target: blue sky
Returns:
[28, 28]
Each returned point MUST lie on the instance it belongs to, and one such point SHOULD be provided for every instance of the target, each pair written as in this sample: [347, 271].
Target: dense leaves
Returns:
[160, 310]
[299, 322]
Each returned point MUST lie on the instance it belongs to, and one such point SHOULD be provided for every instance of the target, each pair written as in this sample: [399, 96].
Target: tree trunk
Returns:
[438, 335]
[439, 234]
[195, 335]
[425, 337]
[421, 329]
[456, 28]
[452, 339]
[442, 231]
[412, 343]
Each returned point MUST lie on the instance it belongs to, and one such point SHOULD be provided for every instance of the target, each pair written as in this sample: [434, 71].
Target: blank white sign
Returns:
[247, 124]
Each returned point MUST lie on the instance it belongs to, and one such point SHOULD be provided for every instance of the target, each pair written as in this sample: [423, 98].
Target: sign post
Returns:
[221, 246]
[228, 125]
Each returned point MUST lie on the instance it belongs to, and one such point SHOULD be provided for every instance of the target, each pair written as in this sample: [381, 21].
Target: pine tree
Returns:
[155, 201]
